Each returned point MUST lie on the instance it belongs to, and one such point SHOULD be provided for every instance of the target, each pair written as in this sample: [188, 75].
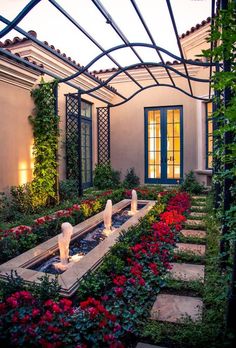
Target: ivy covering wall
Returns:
[45, 125]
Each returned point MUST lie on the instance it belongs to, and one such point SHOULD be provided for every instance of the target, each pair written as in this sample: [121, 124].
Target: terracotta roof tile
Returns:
[9, 43]
[196, 27]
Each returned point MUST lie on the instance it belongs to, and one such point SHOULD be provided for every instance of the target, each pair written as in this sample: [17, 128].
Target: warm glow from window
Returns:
[23, 173]
[31, 158]
[209, 135]
[154, 144]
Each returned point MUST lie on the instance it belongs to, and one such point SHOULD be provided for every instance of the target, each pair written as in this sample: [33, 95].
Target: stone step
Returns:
[194, 222]
[187, 272]
[146, 345]
[193, 233]
[173, 308]
[199, 198]
[196, 249]
[199, 204]
[197, 207]
[197, 214]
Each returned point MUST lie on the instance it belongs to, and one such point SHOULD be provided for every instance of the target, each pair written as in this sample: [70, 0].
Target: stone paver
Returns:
[194, 222]
[197, 214]
[200, 198]
[173, 308]
[145, 345]
[187, 272]
[196, 249]
[194, 233]
[197, 207]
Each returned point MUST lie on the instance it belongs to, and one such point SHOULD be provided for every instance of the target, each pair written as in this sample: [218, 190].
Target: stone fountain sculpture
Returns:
[64, 243]
[107, 217]
[134, 203]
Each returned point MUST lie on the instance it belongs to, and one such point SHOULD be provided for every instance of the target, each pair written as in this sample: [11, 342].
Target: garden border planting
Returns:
[69, 280]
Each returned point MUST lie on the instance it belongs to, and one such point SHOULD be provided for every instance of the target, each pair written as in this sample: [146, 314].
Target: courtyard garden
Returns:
[108, 259]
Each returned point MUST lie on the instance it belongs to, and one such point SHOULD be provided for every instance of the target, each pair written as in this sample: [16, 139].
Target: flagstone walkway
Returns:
[174, 307]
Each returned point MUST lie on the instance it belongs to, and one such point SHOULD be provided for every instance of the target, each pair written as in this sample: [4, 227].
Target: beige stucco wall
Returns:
[127, 128]
[16, 138]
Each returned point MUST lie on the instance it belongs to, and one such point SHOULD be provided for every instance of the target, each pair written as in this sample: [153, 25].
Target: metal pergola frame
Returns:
[218, 66]
[10, 25]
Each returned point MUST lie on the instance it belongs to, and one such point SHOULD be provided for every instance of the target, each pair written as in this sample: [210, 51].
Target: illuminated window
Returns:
[209, 135]
[86, 109]
[154, 144]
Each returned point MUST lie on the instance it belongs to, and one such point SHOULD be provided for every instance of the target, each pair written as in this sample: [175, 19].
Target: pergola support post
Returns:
[227, 197]
[79, 149]
[216, 142]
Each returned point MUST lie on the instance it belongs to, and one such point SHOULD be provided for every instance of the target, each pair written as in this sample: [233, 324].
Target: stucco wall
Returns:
[127, 128]
[16, 139]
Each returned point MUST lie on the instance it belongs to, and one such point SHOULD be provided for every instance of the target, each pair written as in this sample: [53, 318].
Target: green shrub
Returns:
[105, 177]
[68, 189]
[191, 185]
[7, 211]
[24, 199]
[131, 179]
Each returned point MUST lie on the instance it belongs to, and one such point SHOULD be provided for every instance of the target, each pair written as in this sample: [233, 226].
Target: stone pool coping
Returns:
[69, 280]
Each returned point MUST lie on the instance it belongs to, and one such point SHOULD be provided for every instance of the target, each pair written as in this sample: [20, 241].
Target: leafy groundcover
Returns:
[111, 302]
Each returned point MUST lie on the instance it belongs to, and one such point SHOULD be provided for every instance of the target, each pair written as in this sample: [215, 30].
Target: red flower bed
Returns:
[173, 218]
[31, 323]
[16, 232]
[180, 203]
[105, 320]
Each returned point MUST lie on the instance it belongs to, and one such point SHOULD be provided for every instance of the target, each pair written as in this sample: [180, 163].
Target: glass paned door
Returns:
[86, 151]
[163, 145]
[154, 142]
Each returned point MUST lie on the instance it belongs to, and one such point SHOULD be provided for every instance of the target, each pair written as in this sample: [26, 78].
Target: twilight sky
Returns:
[53, 27]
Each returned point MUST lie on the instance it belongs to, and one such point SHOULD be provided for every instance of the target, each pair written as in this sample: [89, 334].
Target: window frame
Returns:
[207, 119]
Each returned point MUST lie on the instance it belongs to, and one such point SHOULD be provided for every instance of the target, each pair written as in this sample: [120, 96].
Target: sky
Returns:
[53, 27]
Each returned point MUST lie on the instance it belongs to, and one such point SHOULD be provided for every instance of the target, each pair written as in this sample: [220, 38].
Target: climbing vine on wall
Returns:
[46, 132]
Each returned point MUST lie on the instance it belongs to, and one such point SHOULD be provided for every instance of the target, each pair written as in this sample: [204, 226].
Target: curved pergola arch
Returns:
[150, 64]
[160, 85]
[137, 44]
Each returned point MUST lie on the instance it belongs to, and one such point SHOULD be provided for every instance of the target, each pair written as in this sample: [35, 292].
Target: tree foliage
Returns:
[46, 132]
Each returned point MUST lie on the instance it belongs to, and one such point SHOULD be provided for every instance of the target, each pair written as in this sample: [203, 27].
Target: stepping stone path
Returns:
[187, 272]
[194, 223]
[197, 207]
[194, 233]
[174, 308]
[196, 249]
[199, 198]
[145, 345]
[198, 214]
